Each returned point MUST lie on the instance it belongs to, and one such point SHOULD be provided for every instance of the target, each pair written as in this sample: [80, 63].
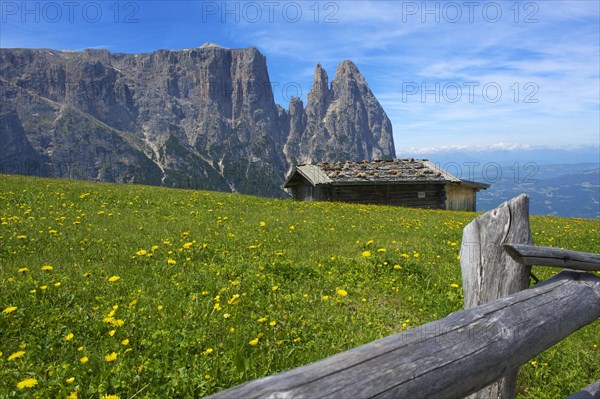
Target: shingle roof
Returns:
[390, 171]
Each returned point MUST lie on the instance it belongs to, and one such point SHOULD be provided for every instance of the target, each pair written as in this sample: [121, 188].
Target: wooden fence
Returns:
[471, 353]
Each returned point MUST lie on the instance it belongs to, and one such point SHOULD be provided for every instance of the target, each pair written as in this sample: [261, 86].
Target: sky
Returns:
[509, 75]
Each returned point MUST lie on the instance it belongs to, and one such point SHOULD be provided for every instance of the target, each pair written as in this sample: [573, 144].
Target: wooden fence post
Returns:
[489, 273]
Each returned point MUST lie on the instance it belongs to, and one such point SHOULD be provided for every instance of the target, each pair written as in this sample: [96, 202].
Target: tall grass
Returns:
[142, 291]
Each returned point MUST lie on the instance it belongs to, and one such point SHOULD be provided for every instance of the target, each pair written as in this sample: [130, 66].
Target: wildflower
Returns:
[159, 307]
[272, 323]
[262, 224]
[381, 250]
[112, 333]
[21, 237]
[325, 297]
[47, 268]
[233, 299]
[141, 252]
[22, 345]
[84, 360]
[16, 355]
[454, 285]
[125, 342]
[43, 287]
[217, 307]
[27, 383]
[275, 288]
[23, 270]
[9, 309]
[208, 351]
[187, 245]
[341, 292]
[231, 329]
[111, 357]
[57, 284]
[72, 395]
[366, 254]
[370, 242]
[110, 397]
[296, 340]
[226, 316]
[171, 262]
[80, 349]
[253, 342]
[113, 279]
[69, 336]
[262, 319]
[70, 380]
[416, 255]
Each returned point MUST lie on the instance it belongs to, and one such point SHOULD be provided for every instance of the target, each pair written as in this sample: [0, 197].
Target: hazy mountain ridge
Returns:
[198, 118]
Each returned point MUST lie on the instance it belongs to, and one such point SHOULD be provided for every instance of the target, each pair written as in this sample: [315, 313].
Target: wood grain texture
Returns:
[592, 391]
[489, 273]
[448, 358]
[547, 256]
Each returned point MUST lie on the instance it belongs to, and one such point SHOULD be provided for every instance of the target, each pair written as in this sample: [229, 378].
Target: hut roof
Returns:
[406, 170]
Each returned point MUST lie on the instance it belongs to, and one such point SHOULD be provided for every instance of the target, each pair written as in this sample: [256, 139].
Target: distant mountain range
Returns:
[201, 118]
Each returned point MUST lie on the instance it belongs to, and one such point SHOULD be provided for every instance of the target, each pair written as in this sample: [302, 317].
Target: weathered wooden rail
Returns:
[476, 351]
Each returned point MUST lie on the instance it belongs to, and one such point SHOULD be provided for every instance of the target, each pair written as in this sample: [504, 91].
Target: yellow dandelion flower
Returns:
[171, 262]
[43, 287]
[262, 319]
[113, 279]
[226, 315]
[21, 237]
[187, 245]
[84, 360]
[112, 333]
[23, 270]
[69, 336]
[262, 224]
[22, 345]
[111, 357]
[57, 284]
[325, 297]
[80, 349]
[454, 285]
[47, 268]
[231, 329]
[208, 351]
[217, 307]
[154, 248]
[9, 309]
[253, 342]
[296, 340]
[381, 250]
[70, 380]
[125, 342]
[159, 307]
[275, 288]
[72, 395]
[416, 255]
[16, 355]
[27, 383]
[110, 397]
[141, 252]
[341, 292]
[272, 323]
[366, 254]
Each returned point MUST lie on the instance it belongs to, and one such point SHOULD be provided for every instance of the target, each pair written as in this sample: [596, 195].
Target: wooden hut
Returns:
[406, 182]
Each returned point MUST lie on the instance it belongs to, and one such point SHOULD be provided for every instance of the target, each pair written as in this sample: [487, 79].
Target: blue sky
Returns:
[465, 74]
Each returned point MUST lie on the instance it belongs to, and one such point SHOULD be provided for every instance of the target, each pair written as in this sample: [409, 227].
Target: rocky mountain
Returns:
[198, 118]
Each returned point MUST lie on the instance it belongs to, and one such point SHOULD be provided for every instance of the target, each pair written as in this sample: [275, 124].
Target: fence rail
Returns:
[476, 351]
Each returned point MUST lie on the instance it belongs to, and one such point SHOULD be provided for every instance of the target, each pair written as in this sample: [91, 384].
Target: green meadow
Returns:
[132, 291]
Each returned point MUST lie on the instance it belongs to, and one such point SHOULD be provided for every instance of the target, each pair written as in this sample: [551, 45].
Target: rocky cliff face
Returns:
[199, 118]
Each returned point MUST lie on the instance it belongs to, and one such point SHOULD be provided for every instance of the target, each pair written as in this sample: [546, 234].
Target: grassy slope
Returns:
[222, 272]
